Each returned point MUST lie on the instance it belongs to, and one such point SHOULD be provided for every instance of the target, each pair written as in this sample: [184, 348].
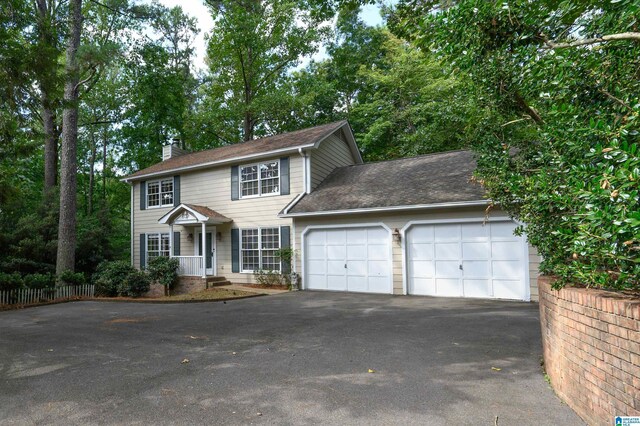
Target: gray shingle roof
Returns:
[290, 140]
[428, 179]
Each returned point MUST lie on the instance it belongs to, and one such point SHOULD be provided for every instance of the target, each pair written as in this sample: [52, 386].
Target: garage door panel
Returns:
[422, 234]
[356, 236]
[420, 251]
[448, 287]
[378, 285]
[377, 235]
[474, 232]
[503, 230]
[378, 252]
[357, 268]
[475, 269]
[377, 268]
[336, 236]
[447, 269]
[357, 284]
[336, 282]
[316, 253]
[318, 282]
[447, 233]
[423, 286]
[335, 267]
[505, 250]
[447, 251]
[506, 268]
[336, 253]
[422, 269]
[317, 238]
[317, 267]
[476, 288]
[358, 252]
[479, 250]
[507, 289]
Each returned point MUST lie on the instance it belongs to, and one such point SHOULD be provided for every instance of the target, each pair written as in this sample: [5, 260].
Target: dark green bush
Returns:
[109, 275]
[40, 281]
[135, 284]
[164, 271]
[10, 281]
[72, 278]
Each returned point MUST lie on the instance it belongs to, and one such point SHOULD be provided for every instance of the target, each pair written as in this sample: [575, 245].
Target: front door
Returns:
[210, 250]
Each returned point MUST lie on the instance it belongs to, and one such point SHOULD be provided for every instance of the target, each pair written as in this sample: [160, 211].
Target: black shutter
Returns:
[235, 250]
[284, 176]
[143, 251]
[143, 195]
[176, 191]
[234, 183]
[285, 243]
[176, 243]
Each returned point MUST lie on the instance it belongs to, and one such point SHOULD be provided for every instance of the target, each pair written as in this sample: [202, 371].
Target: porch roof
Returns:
[185, 214]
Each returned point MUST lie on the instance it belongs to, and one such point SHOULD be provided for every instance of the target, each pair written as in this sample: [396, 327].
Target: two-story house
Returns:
[407, 226]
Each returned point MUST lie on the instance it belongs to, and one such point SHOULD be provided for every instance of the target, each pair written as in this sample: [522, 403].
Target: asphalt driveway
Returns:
[295, 358]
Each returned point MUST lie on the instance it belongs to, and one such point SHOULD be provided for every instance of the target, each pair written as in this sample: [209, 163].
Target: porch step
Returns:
[216, 281]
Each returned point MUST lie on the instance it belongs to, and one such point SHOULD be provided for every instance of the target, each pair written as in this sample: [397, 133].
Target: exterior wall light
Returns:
[396, 235]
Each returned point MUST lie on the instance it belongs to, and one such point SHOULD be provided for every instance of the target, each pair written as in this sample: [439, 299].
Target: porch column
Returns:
[171, 240]
[204, 249]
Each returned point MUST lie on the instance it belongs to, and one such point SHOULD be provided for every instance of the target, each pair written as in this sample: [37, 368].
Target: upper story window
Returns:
[160, 193]
[260, 179]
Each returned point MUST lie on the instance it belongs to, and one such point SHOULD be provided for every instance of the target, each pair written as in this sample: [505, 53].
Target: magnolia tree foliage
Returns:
[562, 157]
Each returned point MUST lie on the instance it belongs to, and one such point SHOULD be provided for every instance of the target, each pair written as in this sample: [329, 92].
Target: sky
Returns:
[196, 8]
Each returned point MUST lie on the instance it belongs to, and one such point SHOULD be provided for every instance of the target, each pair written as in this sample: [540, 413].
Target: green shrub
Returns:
[135, 284]
[72, 278]
[108, 277]
[10, 281]
[39, 281]
[164, 271]
[269, 278]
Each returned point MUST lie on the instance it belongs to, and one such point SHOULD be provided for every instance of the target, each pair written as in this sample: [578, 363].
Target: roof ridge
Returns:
[431, 154]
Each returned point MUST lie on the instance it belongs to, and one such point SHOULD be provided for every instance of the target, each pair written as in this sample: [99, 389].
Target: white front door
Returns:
[210, 248]
[467, 260]
[355, 259]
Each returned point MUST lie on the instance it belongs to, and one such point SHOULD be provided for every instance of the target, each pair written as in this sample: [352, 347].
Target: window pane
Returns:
[153, 194]
[250, 260]
[270, 186]
[164, 245]
[153, 245]
[269, 170]
[249, 173]
[269, 243]
[269, 260]
[249, 188]
[250, 239]
[167, 192]
[270, 238]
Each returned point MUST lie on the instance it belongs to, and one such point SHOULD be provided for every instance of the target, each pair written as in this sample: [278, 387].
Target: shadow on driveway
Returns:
[295, 358]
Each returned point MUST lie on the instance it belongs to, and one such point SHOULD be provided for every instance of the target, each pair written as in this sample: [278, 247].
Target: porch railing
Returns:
[192, 266]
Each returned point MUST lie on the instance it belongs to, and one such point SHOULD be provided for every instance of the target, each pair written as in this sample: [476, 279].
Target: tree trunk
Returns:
[104, 166]
[247, 128]
[50, 144]
[92, 173]
[68, 180]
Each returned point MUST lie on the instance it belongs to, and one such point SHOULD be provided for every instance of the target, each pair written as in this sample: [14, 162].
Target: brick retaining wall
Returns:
[591, 345]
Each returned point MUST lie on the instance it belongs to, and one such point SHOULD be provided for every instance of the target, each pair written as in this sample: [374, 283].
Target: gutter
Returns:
[286, 213]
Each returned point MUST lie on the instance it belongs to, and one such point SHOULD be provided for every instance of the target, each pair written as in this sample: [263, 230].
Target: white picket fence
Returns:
[26, 296]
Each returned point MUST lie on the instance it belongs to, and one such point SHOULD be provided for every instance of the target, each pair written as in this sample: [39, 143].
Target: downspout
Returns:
[132, 225]
[305, 171]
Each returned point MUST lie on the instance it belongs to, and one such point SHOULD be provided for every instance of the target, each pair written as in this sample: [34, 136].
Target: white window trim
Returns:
[251, 271]
[146, 244]
[159, 182]
[259, 194]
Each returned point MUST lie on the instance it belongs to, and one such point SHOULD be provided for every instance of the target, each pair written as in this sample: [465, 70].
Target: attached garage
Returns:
[348, 258]
[469, 259]
[416, 226]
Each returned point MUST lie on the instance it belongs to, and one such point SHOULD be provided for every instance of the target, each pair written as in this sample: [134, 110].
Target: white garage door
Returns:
[467, 260]
[348, 259]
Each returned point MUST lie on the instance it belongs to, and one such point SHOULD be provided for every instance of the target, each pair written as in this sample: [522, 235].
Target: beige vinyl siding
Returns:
[398, 220]
[332, 153]
[534, 272]
[212, 188]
